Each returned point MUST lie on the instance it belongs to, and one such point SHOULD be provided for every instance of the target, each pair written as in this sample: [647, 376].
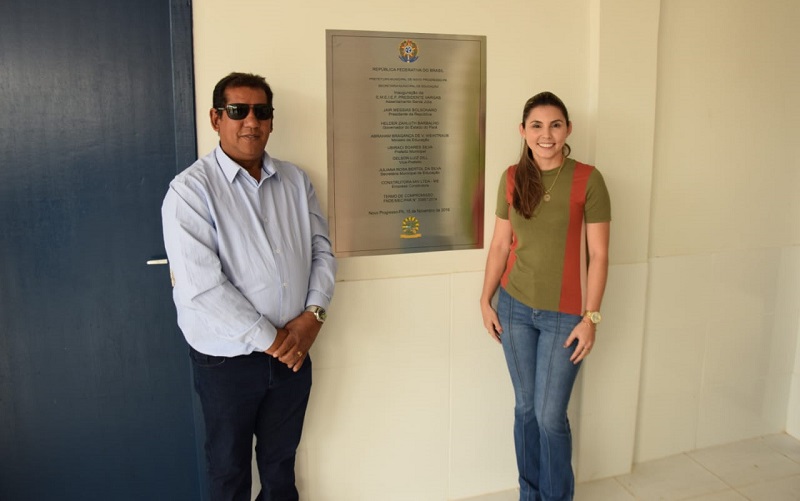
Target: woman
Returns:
[549, 256]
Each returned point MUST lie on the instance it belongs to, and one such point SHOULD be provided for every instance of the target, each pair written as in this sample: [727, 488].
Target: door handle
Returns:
[162, 261]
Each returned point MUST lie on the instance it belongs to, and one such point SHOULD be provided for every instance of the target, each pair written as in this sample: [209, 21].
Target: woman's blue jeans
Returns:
[542, 376]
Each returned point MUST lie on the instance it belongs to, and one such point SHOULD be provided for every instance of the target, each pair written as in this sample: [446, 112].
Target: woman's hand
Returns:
[491, 322]
[584, 333]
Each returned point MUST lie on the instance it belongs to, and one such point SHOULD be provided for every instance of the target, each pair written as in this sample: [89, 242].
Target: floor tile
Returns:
[605, 490]
[747, 462]
[784, 489]
[512, 495]
[785, 444]
[729, 495]
[672, 478]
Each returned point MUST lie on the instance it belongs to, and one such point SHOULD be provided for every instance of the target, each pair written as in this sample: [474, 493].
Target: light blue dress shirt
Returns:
[247, 256]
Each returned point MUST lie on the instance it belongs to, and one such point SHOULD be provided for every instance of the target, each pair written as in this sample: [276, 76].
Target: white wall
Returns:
[724, 288]
[411, 398]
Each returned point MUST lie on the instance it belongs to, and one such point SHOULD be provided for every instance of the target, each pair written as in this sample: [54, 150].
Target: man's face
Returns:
[243, 140]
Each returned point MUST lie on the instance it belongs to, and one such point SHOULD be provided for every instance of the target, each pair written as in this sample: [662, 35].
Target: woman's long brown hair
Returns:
[528, 186]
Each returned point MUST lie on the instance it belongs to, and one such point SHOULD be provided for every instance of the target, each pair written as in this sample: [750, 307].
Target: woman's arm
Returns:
[495, 266]
[597, 235]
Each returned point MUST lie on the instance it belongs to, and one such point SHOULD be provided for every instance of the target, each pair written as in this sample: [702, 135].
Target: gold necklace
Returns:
[546, 196]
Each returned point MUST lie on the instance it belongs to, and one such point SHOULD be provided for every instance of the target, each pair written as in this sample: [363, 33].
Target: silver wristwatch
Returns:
[319, 313]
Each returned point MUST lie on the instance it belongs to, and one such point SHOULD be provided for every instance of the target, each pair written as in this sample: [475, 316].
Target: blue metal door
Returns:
[96, 116]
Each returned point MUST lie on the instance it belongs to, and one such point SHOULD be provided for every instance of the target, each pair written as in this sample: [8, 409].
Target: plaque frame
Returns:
[421, 189]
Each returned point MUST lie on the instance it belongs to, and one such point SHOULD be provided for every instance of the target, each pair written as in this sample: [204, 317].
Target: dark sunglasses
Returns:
[238, 111]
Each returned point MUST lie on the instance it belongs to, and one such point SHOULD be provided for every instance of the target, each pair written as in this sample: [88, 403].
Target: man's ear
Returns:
[214, 116]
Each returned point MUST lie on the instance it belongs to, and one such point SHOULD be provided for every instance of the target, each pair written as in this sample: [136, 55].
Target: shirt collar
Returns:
[231, 168]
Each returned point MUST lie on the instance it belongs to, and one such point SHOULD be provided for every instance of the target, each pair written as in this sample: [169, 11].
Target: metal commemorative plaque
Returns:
[406, 138]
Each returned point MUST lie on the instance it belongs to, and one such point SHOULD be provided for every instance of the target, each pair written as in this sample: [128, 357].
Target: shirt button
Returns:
[277, 251]
[285, 284]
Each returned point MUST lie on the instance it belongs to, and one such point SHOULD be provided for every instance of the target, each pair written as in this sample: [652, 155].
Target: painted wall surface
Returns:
[723, 297]
[685, 109]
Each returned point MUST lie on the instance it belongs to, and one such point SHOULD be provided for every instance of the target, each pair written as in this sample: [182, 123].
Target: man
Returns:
[253, 273]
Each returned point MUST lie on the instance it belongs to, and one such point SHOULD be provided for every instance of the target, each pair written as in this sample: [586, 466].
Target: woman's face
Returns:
[545, 131]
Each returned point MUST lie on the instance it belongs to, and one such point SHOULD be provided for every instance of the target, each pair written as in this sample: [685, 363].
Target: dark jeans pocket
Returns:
[205, 361]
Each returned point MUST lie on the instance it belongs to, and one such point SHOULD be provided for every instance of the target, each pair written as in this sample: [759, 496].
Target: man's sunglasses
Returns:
[238, 111]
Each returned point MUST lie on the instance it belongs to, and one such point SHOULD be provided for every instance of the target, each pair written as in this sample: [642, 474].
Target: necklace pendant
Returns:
[546, 197]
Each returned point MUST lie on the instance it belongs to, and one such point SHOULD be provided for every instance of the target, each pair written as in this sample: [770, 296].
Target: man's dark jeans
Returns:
[244, 396]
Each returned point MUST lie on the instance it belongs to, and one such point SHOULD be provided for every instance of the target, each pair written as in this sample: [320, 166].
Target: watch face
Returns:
[595, 317]
[318, 312]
